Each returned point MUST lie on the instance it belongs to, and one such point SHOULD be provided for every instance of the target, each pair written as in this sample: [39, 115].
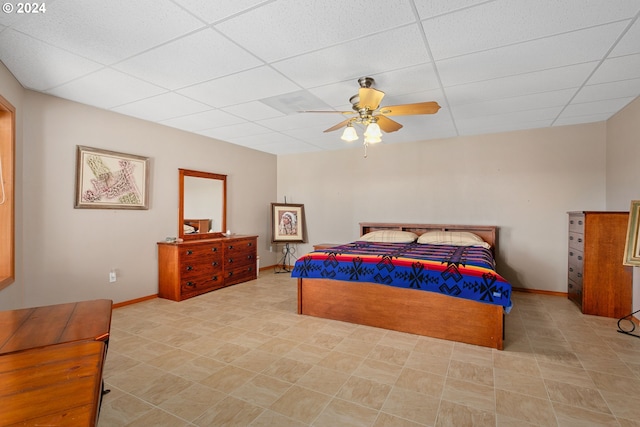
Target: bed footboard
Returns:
[405, 310]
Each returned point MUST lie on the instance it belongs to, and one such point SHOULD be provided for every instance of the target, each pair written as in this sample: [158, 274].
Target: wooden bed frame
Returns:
[407, 310]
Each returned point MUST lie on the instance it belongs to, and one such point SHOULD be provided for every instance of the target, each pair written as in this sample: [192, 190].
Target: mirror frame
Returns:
[199, 174]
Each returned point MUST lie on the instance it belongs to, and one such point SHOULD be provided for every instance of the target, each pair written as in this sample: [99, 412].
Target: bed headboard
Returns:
[488, 233]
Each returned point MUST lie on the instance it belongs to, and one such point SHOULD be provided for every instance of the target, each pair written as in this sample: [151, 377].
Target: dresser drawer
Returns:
[575, 273]
[240, 274]
[576, 223]
[196, 266]
[240, 253]
[200, 251]
[576, 241]
[197, 284]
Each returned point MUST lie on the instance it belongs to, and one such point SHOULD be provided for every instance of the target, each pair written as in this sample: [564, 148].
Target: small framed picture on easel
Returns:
[287, 223]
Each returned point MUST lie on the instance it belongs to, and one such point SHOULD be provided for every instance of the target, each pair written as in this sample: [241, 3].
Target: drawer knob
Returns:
[189, 268]
[230, 273]
[570, 237]
[579, 240]
[250, 244]
[214, 249]
[230, 260]
[230, 246]
[214, 278]
[249, 256]
[579, 274]
[189, 252]
[214, 263]
[191, 284]
[570, 269]
[579, 258]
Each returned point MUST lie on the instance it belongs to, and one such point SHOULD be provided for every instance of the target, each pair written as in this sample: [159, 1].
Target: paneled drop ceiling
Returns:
[240, 70]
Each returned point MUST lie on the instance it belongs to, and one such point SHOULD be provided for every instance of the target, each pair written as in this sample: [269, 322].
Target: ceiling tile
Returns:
[630, 43]
[614, 69]
[108, 31]
[195, 58]
[605, 106]
[540, 81]
[354, 59]
[281, 29]
[106, 88]
[251, 85]
[235, 131]
[576, 120]
[302, 120]
[516, 103]
[551, 52]
[505, 22]
[212, 11]
[39, 66]
[203, 120]
[430, 9]
[618, 89]
[253, 110]
[162, 107]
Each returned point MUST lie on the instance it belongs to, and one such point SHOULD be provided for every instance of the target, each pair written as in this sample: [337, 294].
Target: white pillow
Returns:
[390, 236]
[453, 238]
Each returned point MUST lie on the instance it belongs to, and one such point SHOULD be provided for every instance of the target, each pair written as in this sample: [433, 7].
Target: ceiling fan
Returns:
[367, 112]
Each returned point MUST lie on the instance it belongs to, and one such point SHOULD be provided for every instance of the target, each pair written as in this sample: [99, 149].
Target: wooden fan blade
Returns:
[410, 109]
[369, 98]
[338, 126]
[387, 124]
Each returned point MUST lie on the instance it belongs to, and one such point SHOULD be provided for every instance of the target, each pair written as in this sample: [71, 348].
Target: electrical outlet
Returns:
[112, 276]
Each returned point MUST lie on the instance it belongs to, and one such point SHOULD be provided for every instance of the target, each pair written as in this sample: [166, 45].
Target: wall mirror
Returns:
[202, 211]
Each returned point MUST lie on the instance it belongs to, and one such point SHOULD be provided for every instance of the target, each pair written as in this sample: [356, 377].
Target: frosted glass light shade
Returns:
[349, 134]
[373, 131]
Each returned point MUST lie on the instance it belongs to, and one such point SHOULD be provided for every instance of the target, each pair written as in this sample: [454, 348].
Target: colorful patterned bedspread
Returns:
[459, 271]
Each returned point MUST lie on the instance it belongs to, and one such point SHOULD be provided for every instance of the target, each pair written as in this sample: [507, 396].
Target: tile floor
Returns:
[241, 356]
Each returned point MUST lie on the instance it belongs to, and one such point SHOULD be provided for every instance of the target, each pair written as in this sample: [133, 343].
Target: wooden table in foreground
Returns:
[58, 385]
[51, 361]
[54, 324]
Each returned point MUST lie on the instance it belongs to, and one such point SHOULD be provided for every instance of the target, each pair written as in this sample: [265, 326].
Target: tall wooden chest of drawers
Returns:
[191, 268]
[598, 282]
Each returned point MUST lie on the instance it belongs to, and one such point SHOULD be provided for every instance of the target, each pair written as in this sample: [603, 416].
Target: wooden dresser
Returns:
[598, 282]
[191, 268]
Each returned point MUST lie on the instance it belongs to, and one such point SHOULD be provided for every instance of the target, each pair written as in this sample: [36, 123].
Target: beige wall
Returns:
[524, 182]
[67, 253]
[623, 167]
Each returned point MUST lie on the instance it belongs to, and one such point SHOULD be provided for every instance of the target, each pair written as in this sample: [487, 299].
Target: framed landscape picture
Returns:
[109, 180]
[287, 222]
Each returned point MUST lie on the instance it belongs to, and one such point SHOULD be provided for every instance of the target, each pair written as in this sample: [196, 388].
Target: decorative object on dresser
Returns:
[598, 282]
[190, 268]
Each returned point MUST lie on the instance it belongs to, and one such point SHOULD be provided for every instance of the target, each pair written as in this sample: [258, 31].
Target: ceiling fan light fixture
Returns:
[349, 134]
[373, 131]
